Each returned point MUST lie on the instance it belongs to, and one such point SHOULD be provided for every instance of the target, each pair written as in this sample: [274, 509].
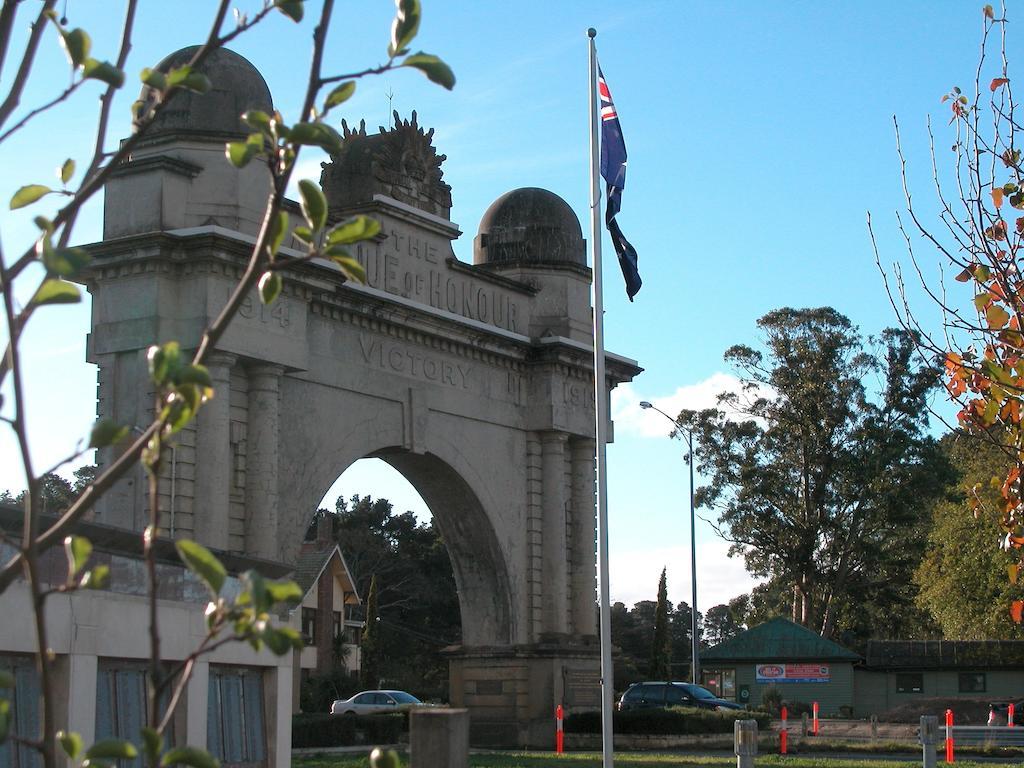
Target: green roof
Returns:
[778, 640]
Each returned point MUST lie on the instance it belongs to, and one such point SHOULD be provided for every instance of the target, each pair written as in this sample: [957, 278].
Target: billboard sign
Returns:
[792, 673]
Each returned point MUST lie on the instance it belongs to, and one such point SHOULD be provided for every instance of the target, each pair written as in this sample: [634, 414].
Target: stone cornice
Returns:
[157, 163]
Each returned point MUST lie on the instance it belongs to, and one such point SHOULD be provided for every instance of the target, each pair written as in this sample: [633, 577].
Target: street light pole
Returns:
[695, 653]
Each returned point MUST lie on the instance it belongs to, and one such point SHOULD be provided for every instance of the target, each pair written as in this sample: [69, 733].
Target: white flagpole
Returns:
[601, 416]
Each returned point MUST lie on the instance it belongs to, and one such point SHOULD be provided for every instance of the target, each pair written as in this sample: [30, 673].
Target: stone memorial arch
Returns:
[473, 381]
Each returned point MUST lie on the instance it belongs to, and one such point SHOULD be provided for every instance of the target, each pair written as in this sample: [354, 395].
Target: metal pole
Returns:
[695, 660]
[601, 412]
[695, 644]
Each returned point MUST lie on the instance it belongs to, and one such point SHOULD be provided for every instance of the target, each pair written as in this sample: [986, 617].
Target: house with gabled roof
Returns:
[326, 617]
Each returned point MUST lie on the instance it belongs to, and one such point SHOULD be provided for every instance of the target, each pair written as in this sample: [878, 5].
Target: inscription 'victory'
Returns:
[401, 359]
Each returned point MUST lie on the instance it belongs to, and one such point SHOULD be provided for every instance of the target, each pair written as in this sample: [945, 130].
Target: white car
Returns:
[376, 702]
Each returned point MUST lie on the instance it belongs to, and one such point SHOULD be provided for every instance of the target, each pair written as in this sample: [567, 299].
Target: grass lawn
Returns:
[642, 760]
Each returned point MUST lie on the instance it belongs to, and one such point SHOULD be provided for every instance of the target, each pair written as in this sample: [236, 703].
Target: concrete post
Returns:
[929, 737]
[439, 738]
[744, 737]
[261, 460]
[804, 730]
[82, 674]
[553, 504]
[874, 727]
[210, 506]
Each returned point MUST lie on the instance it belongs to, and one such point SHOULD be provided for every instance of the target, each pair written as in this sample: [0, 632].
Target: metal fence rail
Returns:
[994, 735]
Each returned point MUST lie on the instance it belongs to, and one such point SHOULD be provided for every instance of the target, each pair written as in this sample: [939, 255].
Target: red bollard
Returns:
[559, 743]
[814, 727]
[783, 734]
[1009, 714]
[949, 735]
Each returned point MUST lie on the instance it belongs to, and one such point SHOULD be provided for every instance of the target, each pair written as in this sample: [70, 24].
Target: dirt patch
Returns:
[965, 711]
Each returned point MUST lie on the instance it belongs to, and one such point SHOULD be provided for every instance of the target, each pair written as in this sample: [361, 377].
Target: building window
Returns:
[972, 682]
[122, 702]
[235, 730]
[721, 682]
[337, 625]
[25, 715]
[909, 682]
[309, 625]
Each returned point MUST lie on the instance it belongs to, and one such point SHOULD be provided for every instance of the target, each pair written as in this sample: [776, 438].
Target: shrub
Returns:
[324, 730]
[318, 692]
[771, 699]
[658, 722]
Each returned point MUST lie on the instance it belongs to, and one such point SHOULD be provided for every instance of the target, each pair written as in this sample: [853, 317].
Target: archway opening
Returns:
[409, 529]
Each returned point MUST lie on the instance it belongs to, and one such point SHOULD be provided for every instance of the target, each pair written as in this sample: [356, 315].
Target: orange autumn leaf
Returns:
[1012, 571]
[1016, 610]
[997, 197]
[998, 83]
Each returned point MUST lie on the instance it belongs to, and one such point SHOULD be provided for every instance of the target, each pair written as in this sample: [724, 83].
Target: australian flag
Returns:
[613, 170]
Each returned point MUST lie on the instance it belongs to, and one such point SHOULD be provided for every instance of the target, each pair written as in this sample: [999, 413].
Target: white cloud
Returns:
[630, 418]
[635, 574]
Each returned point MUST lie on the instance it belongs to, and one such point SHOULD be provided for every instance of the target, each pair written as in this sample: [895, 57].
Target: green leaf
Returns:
[105, 433]
[340, 95]
[6, 679]
[112, 749]
[67, 170]
[354, 230]
[78, 550]
[152, 743]
[284, 591]
[981, 301]
[317, 135]
[202, 562]
[293, 9]
[76, 44]
[184, 77]
[164, 362]
[270, 286]
[54, 291]
[179, 410]
[28, 194]
[435, 69]
[405, 25]
[254, 118]
[305, 234]
[65, 262]
[314, 204]
[103, 71]
[196, 374]
[154, 78]
[5, 719]
[97, 578]
[982, 273]
[280, 640]
[239, 153]
[71, 743]
[196, 82]
[351, 268]
[191, 756]
[278, 229]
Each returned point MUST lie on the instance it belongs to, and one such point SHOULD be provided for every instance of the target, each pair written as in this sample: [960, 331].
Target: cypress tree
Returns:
[661, 648]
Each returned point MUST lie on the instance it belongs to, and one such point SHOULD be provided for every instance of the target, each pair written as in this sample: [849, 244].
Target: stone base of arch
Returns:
[511, 692]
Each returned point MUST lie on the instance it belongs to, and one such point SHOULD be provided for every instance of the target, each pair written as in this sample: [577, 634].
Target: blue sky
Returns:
[759, 135]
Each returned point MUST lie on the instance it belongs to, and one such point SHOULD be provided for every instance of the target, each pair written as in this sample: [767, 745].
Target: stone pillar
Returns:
[261, 498]
[210, 505]
[277, 705]
[196, 702]
[554, 570]
[439, 738]
[583, 537]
